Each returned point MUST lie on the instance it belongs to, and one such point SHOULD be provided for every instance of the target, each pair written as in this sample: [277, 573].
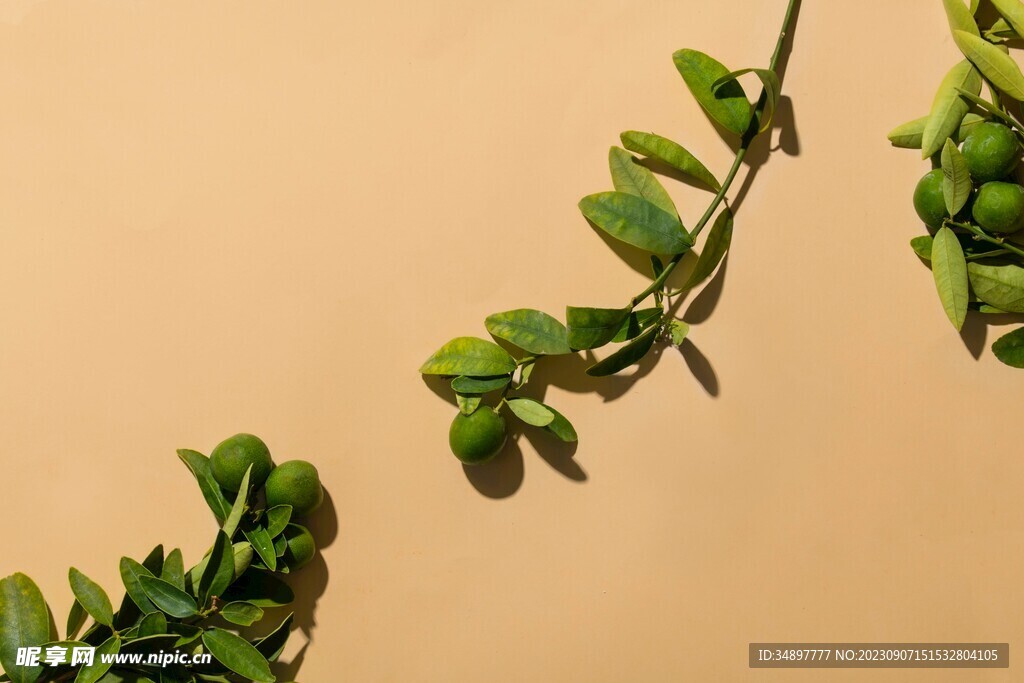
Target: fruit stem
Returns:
[745, 143]
[982, 235]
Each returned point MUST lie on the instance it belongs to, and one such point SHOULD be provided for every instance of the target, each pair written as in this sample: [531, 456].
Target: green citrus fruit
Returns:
[295, 483]
[301, 546]
[991, 151]
[999, 207]
[478, 437]
[232, 457]
[928, 200]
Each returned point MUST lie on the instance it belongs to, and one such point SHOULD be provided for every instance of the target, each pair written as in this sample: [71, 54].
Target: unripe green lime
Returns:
[301, 546]
[232, 457]
[991, 151]
[928, 200]
[478, 437]
[295, 483]
[999, 207]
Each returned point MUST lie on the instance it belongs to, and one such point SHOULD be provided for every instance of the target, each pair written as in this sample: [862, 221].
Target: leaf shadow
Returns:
[701, 367]
[974, 333]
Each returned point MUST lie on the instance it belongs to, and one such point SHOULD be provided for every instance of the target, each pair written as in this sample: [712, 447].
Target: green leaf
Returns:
[960, 17]
[24, 622]
[630, 177]
[94, 672]
[561, 427]
[997, 66]
[480, 385]
[168, 598]
[272, 645]
[241, 613]
[76, 618]
[670, 153]
[277, 519]
[131, 572]
[533, 331]
[238, 507]
[956, 181]
[524, 373]
[52, 649]
[1013, 13]
[714, 250]
[590, 328]
[531, 412]
[173, 571]
[627, 355]
[909, 134]
[220, 568]
[92, 597]
[237, 654]
[263, 543]
[658, 267]
[153, 624]
[261, 589]
[243, 557]
[1001, 29]
[635, 221]
[772, 89]
[154, 562]
[728, 105]
[187, 633]
[678, 329]
[922, 246]
[999, 286]
[199, 465]
[1010, 348]
[950, 271]
[469, 356]
[948, 108]
[468, 403]
[637, 322]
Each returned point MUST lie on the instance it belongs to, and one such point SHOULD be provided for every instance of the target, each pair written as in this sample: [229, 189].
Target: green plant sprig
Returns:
[167, 608]
[973, 215]
[638, 212]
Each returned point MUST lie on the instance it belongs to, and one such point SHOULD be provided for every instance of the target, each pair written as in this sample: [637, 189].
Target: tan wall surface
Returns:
[262, 216]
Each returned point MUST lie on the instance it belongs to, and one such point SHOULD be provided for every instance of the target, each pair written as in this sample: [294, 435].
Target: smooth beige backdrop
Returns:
[262, 216]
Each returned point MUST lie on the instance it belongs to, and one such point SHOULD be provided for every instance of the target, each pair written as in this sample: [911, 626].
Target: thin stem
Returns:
[745, 143]
[987, 254]
[984, 236]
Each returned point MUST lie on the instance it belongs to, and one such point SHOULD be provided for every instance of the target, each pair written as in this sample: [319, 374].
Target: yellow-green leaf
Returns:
[993, 63]
[956, 179]
[949, 268]
[469, 356]
[960, 17]
[630, 177]
[636, 221]
[728, 106]
[948, 108]
[670, 153]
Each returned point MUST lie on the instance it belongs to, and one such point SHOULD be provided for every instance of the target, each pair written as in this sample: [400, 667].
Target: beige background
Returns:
[229, 216]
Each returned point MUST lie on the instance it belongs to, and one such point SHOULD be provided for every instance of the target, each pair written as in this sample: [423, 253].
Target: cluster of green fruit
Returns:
[972, 201]
[167, 608]
[640, 213]
[990, 153]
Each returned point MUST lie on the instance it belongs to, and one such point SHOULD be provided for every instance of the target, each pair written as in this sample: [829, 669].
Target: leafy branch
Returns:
[639, 212]
[169, 609]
